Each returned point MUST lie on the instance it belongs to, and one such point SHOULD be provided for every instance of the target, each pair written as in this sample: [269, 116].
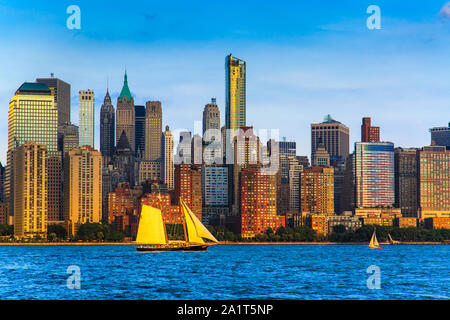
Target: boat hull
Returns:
[173, 248]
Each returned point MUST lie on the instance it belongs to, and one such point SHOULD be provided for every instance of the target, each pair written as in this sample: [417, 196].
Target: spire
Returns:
[125, 90]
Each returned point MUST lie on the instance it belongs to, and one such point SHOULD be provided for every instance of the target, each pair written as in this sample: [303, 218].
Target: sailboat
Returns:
[152, 233]
[374, 242]
[392, 241]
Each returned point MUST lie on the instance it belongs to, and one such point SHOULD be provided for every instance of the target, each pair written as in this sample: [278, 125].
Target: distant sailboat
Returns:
[392, 241]
[152, 233]
[374, 242]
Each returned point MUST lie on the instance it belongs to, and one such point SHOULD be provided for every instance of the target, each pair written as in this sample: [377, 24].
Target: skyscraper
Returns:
[83, 186]
[258, 202]
[317, 190]
[107, 127]
[125, 117]
[188, 186]
[86, 118]
[287, 152]
[374, 174]
[211, 116]
[433, 182]
[406, 175]
[368, 132]
[167, 146]
[153, 130]
[139, 130]
[440, 136]
[334, 136]
[33, 116]
[68, 137]
[30, 191]
[61, 95]
[235, 92]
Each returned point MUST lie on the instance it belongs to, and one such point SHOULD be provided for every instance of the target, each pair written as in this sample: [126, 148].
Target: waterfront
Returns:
[226, 272]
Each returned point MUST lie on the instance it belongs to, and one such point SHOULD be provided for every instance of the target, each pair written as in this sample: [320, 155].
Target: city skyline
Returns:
[383, 71]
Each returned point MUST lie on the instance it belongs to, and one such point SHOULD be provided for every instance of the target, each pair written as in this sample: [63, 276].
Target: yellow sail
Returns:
[192, 235]
[374, 242]
[202, 231]
[151, 227]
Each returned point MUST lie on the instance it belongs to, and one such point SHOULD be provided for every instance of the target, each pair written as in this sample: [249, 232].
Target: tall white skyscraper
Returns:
[86, 118]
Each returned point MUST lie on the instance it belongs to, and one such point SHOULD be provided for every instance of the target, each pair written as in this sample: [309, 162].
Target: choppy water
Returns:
[226, 272]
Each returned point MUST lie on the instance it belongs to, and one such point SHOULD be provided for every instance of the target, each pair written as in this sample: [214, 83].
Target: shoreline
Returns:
[220, 243]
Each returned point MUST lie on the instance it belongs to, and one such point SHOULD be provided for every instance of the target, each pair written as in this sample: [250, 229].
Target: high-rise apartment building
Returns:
[406, 175]
[235, 92]
[125, 117]
[167, 161]
[86, 114]
[295, 170]
[433, 182]
[153, 130]
[440, 136]
[334, 136]
[368, 132]
[258, 202]
[61, 97]
[83, 186]
[317, 190]
[374, 174]
[216, 180]
[33, 117]
[107, 127]
[188, 186]
[30, 191]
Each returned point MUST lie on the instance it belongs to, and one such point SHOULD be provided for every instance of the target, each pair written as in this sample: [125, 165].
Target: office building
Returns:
[86, 125]
[60, 91]
[139, 131]
[83, 186]
[374, 174]
[368, 132]
[125, 115]
[107, 127]
[153, 130]
[167, 161]
[406, 175]
[30, 191]
[334, 137]
[440, 136]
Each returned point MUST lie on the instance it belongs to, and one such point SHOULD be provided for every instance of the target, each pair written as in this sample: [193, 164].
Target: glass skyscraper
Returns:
[374, 174]
[235, 92]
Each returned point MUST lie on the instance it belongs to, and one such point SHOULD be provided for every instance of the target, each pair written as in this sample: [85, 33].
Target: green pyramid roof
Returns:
[125, 90]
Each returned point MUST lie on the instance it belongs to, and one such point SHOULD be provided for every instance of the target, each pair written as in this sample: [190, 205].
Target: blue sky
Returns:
[305, 59]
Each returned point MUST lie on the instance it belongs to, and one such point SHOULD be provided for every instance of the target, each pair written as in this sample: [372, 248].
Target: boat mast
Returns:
[184, 223]
[160, 209]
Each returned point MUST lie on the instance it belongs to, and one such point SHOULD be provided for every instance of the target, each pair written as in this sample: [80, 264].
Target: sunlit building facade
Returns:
[374, 174]
[235, 94]
[86, 114]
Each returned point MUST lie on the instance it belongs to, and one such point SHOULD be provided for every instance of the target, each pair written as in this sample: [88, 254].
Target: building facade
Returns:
[317, 190]
[107, 127]
[368, 132]
[86, 118]
[334, 136]
[125, 117]
[83, 186]
[30, 191]
[374, 174]
[139, 131]
[153, 130]
[440, 136]
[235, 92]
[61, 96]
[167, 161]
